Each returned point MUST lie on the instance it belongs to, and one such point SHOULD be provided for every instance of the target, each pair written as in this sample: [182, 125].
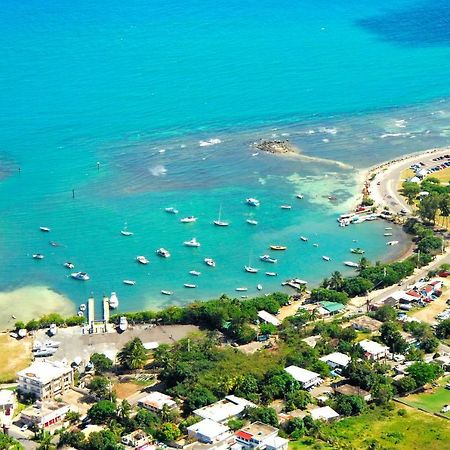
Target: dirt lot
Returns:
[15, 355]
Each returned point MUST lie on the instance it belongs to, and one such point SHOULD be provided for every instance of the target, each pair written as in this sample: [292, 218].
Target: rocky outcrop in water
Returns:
[275, 147]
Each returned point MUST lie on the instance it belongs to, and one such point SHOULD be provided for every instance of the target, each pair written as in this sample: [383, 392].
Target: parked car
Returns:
[445, 408]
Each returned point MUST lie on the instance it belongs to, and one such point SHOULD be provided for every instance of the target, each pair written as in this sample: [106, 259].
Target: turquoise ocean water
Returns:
[138, 85]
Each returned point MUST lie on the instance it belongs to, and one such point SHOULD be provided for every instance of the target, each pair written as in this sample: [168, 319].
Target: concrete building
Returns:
[7, 407]
[269, 318]
[366, 323]
[45, 380]
[230, 407]
[325, 413]
[138, 439]
[348, 389]
[305, 377]
[208, 431]
[260, 436]
[336, 360]
[373, 350]
[155, 402]
[45, 414]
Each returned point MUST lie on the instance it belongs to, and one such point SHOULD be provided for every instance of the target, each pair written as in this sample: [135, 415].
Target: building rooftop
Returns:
[44, 371]
[222, 410]
[157, 400]
[7, 397]
[367, 323]
[324, 413]
[348, 389]
[301, 375]
[257, 430]
[337, 358]
[209, 428]
[269, 318]
[372, 347]
[332, 306]
[42, 409]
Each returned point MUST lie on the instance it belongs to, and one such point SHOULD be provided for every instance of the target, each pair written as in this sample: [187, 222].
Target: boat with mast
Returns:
[125, 231]
[219, 222]
[192, 243]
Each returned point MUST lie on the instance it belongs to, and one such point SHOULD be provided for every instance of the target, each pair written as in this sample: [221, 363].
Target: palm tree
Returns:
[133, 355]
[444, 206]
[45, 441]
[313, 315]
[336, 281]
[124, 410]
[364, 263]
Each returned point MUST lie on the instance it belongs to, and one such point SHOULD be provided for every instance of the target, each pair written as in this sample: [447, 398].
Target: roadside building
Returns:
[366, 323]
[138, 439]
[230, 407]
[443, 361]
[7, 406]
[332, 307]
[269, 318]
[208, 431]
[348, 389]
[325, 413]
[373, 350]
[45, 380]
[156, 401]
[306, 378]
[45, 414]
[336, 360]
[259, 435]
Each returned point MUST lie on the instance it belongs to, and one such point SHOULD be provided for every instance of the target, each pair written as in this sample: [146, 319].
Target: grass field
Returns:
[442, 175]
[381, 429]
[14, 356]
[431, 401]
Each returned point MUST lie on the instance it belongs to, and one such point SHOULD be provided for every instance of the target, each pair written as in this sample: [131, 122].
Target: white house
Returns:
[7, 407]
[208, 431]
[155, 402]
[261, 436]
[138, 439]
[45, 414]
[336, 360]
[45, 380]
[325, 413]
[230, 406]
[268, 318]
[373, 350]
[305, 377]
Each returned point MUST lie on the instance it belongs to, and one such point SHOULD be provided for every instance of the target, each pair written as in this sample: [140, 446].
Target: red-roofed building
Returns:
[259, 435]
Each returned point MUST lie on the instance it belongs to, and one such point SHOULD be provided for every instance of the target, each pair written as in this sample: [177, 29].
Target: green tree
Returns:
[125, 410]
[405, 384]
[430, 244]
[198, 397]
[268, 328]
[428, 207]
[410, 191]
[390, 335]
[75, 439]
[100, 387]
[133, 355]
[102, 440]
[9, 443]
[424, 373]
[44, 439]
[262, 414]
[329, 295]
[168, 432]
[297, 399]
[349, 405]
[102, 412]
[101, 362]
[443, 329]
[73, 417]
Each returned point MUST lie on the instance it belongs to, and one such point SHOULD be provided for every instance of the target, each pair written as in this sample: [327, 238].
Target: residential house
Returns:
[208, 431]
[373, 350]
[156, 401]
[45, 414]
[336, 360]
[443, 361]
[268, 318]
[325, 413]
[230, 407]
[138, 439]
[259, 435]
[348, 389]
[306, 378]
[45, 380]
[7, 407]
[332, 307]
[366, 323]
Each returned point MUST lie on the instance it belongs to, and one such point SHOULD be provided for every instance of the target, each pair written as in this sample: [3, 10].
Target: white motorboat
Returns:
[192, 243]
[45, 352]
[259, 287]
[271, 274]
[315, 245]
[163, 292]
[113, 301]
[241, 289]
[210, 262]
[326, 258]
[300, 196]
[188, 219]
[80, 313]
[22, 332]
[285, 207]
[252, 222]
[45, 229]
[129, 282]
[195, 273]
[387, 234]
[82, 276]
[190, 286]
[304, 239]
[388, 228]
[392, 243]
[142, 260]
[219, 222]
[52, 329]
[123, 323]
[69, 265]
[171, 210]
[251, 269]
[83, 307]
[252, 202]
[268, 258]
[126, 233]
[351, 264]
[38, 256]
[163, 252]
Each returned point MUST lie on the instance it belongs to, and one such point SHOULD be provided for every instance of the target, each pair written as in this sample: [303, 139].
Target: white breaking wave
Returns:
[385, 135]
[401, 123]
[158, 170]
[213, 141]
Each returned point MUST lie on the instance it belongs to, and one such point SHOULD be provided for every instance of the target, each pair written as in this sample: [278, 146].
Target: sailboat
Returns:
[248, 268]
[219, 222]
[125, 231]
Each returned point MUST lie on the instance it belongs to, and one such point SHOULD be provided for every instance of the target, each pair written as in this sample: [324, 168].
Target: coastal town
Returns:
[255, 373]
